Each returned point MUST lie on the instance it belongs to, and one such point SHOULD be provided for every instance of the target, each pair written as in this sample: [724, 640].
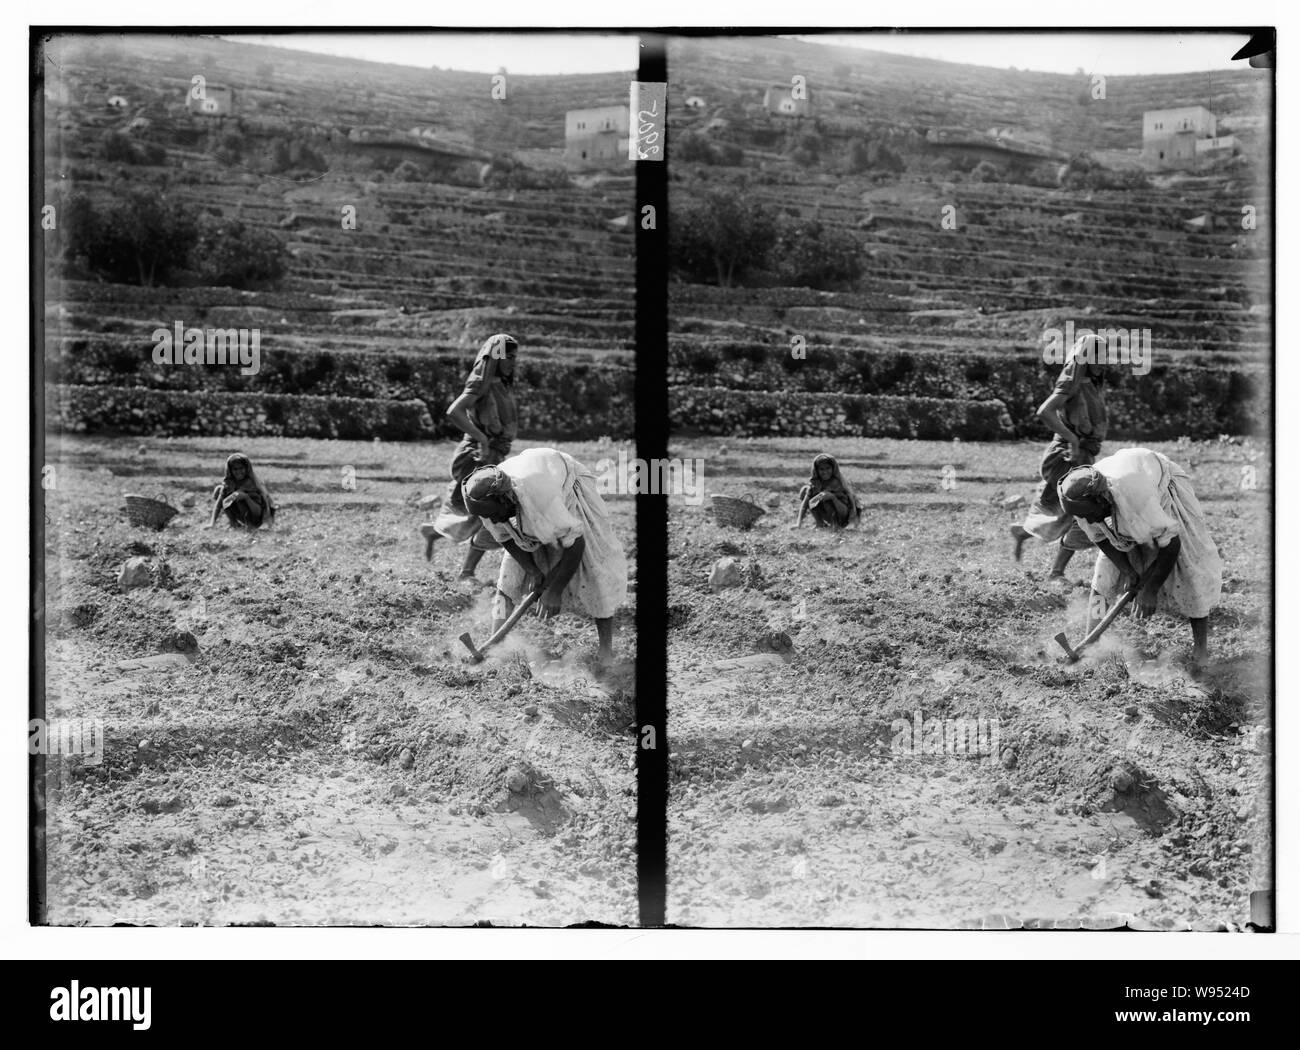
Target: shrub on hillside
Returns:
[805, 149]
[812, 255]
[871, 155]
[985, 171]
[693, 147]
[118, 148]
[408, 171]
[1084, 173]
[292, 155]
[230, 254]
[230, 147]
[509, 174]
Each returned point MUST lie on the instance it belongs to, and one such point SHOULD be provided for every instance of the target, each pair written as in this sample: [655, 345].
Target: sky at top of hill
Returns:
[1121, 53]
[524, 54]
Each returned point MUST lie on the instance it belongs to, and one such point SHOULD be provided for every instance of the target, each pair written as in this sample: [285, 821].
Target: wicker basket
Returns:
[151, 513]
[739, 513]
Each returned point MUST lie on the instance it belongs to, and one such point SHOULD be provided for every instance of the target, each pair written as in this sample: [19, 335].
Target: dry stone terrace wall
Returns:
[556, 397]
[391, 310]
[754, 413]
[960, 313]
[742, 379]
[137, 410]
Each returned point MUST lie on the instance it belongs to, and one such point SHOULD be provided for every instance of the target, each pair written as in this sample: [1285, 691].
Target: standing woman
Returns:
[485, 411]
[544, 508]
[1140, 510]
[1076, 413]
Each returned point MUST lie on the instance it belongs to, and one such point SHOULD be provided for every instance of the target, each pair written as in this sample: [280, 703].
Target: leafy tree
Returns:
[721, 237]
[142, 239]
[148, 239]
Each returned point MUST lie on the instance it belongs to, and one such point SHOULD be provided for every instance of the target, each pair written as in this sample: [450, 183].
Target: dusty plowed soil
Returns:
[323, 754]
[1127, 789]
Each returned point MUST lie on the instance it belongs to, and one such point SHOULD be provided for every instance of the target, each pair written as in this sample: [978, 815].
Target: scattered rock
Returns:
[745, 745]
[1011, 502]
[1121, 781]
[406, 759]
[82, 615]
[1010, 758]
[774, 641]
[725, 573]
[224, 799]
[517, 781]
[530, 711]
[830, 799]
[187, 501]
[178, 640]
[162, 803]
[134, 573]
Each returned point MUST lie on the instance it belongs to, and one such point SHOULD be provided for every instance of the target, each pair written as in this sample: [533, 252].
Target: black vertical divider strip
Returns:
[36, 504]
[652, 512]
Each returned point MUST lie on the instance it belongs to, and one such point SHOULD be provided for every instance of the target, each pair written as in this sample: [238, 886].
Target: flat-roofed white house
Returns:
[1178, 138]
[1161, 123]
[597, 135]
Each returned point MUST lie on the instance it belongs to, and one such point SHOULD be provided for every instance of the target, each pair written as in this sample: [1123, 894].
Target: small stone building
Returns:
[780, 100]
[216, 102]
[596, 136]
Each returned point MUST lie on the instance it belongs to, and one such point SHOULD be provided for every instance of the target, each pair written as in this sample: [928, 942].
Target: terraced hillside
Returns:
[419, 215]
[956, 311]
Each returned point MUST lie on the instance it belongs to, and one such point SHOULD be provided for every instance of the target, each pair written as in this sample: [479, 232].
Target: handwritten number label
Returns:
[649, 101]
